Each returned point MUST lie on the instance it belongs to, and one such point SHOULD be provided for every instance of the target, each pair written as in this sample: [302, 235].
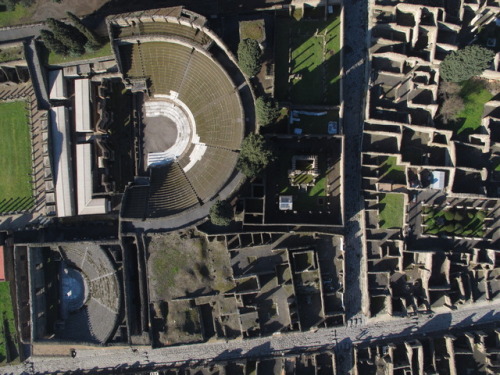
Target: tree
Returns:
[52, 43]
[254, 155]
[447, 89]
[93, 41]
[68, 35]
[465, 63]
[450, 108]
[452, 104]
[249, 55]
[11, 4]
[267, 110]
[221, 213]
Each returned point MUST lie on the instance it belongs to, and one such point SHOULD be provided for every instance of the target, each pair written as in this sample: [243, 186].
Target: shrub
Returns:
[430, 222]
[266, 110]
[450, 228]
[221, 213]
[68, 35]
[470, 214]
[449, 215]
[254, 155]
[11, 4]
[433, 231]
[480, 215]
[465, 63]
[93, 41]
[467, 232]
[249, 55]
[459, 216]
[52, 43]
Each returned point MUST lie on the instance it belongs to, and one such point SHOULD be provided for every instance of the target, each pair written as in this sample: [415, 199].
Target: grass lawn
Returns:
[467, 223]
[389, 171]
[391, 213]
[315, 60]
[497, 165]
[475, 96]
[253, 30]
[105, 50]
[180, 263]
[8, 337]
[16, 16]
[15, 157]
[11, 54]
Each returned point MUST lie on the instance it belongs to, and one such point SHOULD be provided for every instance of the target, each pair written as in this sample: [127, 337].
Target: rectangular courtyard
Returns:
[308, 58]
[16, 191]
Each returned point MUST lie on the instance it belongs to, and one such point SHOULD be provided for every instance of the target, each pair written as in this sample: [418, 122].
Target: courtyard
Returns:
[453, 221]
[316, 196]
[8, 332]
[311, 74]
[15, 157]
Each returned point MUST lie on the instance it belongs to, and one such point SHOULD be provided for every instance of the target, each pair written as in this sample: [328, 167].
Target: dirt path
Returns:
[47, 8]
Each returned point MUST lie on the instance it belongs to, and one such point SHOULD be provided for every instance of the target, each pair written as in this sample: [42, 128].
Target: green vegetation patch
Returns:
[459, 222]
[15, 158]
[105, 50]
[166, 265]
[315, 60]
[390, 171]
[253, 29]
[304, 200]
[475, 95]
[496, 164]
[391, 210]
[180, 263]
[16, 16]
[11, 54]
[8, 333]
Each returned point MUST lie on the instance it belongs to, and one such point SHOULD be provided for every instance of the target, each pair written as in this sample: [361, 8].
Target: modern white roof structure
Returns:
[286, 202]
[82, 105]
[86, 204]
[61, 153]
[57, 85]
[438, 180]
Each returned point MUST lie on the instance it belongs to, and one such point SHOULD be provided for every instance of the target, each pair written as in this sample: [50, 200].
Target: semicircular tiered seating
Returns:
[97, 319]
[178, 69]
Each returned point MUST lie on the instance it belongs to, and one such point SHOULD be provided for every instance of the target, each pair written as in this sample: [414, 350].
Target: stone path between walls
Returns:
[339, 339]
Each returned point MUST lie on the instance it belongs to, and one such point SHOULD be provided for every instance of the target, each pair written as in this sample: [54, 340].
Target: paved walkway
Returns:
[20, 32]
[341, 338]
[355, 50]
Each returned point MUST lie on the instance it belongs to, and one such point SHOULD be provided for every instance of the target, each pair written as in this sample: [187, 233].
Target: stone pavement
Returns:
[355, 51]
[339, 339]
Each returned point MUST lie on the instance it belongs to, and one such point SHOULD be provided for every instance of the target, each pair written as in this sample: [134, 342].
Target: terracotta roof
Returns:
[2, 266]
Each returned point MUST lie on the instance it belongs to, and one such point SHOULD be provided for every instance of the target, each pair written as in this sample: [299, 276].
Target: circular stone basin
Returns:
[168, 129]
[74, 289]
